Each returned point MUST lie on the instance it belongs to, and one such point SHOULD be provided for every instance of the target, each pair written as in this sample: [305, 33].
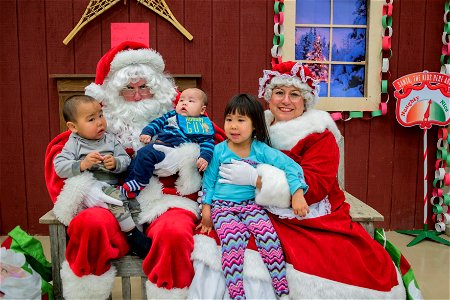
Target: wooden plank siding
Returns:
[231, 47]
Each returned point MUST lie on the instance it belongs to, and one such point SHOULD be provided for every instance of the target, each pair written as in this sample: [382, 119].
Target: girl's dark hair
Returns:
[247, 105]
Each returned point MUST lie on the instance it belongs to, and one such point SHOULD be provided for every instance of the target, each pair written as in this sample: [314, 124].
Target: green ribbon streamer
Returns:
[376, 113]
[384, 86]
[408, 277]
[437, 209]
[278, 40]
[445, 156]
[356, 114]
[386, 21]
[278, 7]
[442, 153]
[444, 57]
[447, 28]
[435, 183]
[446, 199]
[34, 254]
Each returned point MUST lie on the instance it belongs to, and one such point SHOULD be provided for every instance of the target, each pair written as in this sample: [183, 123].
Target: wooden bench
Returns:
[131, 266]
[359, 211]
[127, 267]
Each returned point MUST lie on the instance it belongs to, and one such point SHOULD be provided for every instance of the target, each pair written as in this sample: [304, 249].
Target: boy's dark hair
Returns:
[70, 106]
[247, 105]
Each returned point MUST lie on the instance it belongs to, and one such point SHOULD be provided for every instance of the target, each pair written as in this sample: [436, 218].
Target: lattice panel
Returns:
[97, 7]
[161, 8]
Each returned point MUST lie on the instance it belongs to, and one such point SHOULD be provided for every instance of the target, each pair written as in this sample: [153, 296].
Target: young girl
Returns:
[232, 208]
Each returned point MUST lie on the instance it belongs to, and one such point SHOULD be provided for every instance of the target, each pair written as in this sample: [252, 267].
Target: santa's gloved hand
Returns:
[238, 172]
[97, 198]
[169, 165]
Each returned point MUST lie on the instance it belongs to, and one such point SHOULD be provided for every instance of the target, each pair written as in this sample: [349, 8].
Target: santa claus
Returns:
[131, 85]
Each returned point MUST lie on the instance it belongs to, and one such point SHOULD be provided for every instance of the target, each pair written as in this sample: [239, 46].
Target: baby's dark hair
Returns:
[71, 104]
[247, 105]
[202, 93]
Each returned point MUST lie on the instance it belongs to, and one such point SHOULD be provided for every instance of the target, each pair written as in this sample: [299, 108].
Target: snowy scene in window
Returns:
[336, 27]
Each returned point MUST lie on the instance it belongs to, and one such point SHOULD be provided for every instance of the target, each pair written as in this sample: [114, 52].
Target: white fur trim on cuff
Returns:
[69, 202]
[275, 188]
[95, 91]
[154, 203]
[88, 286]
[155, 292]
[207, 251]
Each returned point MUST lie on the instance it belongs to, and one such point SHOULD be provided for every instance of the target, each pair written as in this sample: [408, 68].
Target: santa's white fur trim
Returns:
[88, 286]
[301, 285]
[154, 203]
[285, 135]
[69, 202]
[306, 286]
[95, 91]
[155, 292]
[275, 188]
[139, 56]
[207, 251]
[189, 180]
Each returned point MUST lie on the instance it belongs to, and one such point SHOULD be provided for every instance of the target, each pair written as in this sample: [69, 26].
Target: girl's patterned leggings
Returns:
[233, 223]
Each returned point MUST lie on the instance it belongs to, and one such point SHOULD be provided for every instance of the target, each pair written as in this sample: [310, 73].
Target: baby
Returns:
[186, 124]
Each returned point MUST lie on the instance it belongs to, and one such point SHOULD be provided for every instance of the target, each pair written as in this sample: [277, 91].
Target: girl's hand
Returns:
[206, 224]
[109, 162]
[144, 138]
[91, 159]
[300, 206]
[202, 164]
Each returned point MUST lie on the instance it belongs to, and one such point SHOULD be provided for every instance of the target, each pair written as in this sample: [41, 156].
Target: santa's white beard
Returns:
[126, 119]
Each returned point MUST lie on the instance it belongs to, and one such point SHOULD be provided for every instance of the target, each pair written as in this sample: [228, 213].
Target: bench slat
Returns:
[126, 288]
[49, 218]
[361, 212]
[128, 265]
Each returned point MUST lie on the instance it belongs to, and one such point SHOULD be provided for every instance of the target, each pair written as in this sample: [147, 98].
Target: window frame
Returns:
[372, 86]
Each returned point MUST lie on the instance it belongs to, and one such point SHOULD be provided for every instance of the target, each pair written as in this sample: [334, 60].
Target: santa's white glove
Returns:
[238, 172]
[169, 164]
[97, 198]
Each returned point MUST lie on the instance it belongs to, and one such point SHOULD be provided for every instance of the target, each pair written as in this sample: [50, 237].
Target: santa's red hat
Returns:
[121, 56]
[291, 74]
[125, 54]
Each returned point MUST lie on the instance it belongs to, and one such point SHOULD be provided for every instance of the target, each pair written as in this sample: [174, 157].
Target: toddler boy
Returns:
[91, 148]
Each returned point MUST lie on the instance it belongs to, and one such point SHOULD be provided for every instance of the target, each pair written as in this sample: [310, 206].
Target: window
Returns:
[332, 38]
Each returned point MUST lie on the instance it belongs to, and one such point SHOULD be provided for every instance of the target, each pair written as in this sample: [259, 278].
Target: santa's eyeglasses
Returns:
[130, 92]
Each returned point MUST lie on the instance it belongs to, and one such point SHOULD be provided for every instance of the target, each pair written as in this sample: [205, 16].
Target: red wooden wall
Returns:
[231, 46]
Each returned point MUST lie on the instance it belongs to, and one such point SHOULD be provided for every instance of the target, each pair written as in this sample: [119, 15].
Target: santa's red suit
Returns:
[328, 255]
[168, 205]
